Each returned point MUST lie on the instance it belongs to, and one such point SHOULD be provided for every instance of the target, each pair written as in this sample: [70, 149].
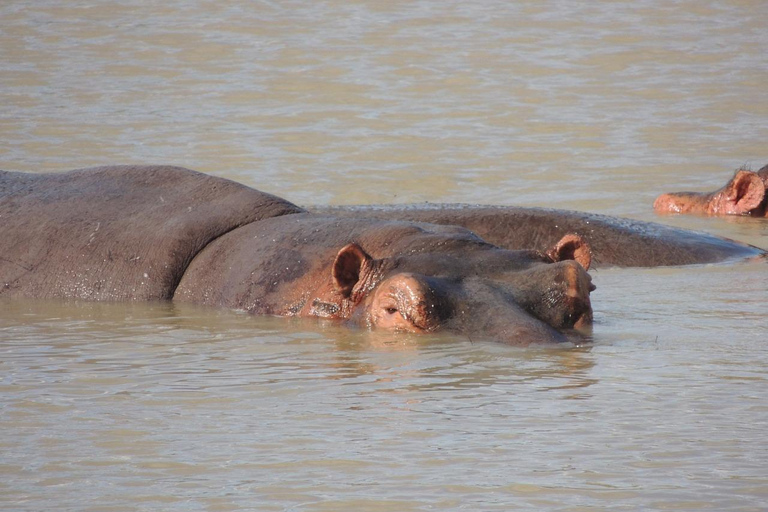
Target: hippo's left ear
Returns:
[351, 264]
[744, 192]
[572, 247]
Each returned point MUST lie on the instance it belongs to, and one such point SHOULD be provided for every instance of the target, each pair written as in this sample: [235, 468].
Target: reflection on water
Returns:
[596, 106]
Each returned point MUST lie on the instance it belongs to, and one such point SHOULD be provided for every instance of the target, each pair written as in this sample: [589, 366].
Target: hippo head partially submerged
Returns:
[744, 194]
[137, 233]
[397, 276]
[428, 293]
[168, 233]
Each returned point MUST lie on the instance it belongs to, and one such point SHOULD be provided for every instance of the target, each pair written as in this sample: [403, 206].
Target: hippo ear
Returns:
[572, 247]
[744, 192]
[351, 263]
[763, 174]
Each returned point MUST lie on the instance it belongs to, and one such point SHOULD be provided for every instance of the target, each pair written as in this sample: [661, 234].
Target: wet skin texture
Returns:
[115, 233]
[745, 194]
[167, 233]
[612, 241]
[395, 275]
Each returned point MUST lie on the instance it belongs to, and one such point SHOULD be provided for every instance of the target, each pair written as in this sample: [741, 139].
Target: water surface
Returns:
[597, 106]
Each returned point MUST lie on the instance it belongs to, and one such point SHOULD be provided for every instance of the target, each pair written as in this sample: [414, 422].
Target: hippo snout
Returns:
[532, 306]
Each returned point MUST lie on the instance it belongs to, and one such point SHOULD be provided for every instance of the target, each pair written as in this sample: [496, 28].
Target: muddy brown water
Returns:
[596, 106]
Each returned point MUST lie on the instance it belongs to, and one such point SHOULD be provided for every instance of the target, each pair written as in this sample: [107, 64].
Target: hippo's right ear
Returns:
[350, 265]
[743, 193]
[572, 247]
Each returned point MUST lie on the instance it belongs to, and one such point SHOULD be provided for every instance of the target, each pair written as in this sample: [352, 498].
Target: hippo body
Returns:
[614, 241]
[168, 233]
[115, 233]
[745, 194]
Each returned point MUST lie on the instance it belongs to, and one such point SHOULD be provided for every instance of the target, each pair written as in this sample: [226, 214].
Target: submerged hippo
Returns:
[745, 194]
[611, 241]
[167, 233]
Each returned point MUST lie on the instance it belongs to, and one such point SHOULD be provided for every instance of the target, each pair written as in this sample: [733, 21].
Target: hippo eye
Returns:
[390, 310]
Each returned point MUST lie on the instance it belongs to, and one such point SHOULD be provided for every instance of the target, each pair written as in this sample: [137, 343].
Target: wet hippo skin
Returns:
[613, 241]
[746, 193]
[168, 233]
[115, 233]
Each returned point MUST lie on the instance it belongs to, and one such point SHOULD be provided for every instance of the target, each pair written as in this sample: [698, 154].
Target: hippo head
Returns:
[517, 297]
[396, 275]
[743, 194]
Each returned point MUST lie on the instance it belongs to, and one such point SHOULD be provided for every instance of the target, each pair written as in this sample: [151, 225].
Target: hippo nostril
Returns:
[592, 287]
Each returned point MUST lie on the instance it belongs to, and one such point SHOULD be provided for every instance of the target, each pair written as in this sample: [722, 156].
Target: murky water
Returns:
[597, 106]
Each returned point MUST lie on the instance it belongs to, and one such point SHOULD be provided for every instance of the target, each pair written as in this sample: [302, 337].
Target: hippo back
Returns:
[116, 233]
[614, 241]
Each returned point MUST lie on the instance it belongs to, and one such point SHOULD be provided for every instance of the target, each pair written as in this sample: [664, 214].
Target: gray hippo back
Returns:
[116, 233]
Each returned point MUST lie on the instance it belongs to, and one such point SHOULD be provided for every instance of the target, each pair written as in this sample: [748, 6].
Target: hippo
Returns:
[132, 233]
[610, 241]
[745, 194]
[145, 233]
